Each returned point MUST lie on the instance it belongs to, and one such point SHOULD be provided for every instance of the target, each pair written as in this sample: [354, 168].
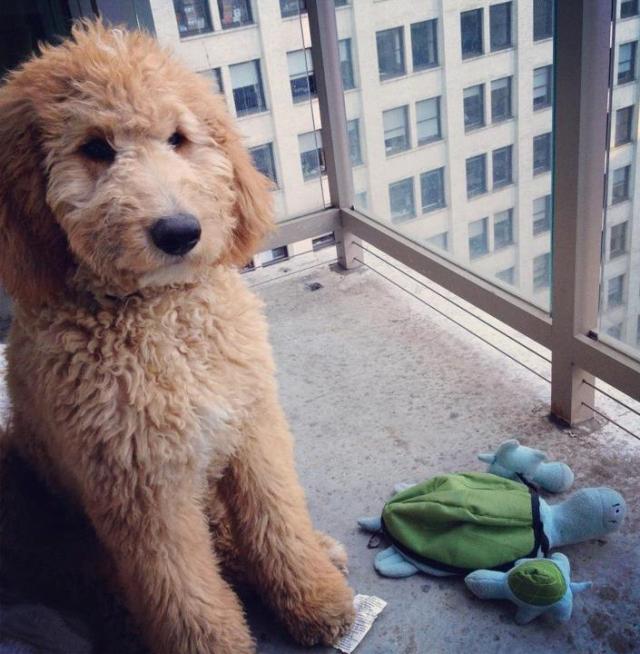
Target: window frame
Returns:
[407, 131]
[437, 118]
[493, 9]
[244, 23]
[472, 53]
[395, 218]
[397, 48]
[482, 189]
[432, 24]
[479, 98]
[547, 97]
[508, 180]
[547, 136]
[509, 87]
[502, 244]
[272, 160]
[260, 108]
[207, 17]
[475, 253]
[632, 63]
[441, 203]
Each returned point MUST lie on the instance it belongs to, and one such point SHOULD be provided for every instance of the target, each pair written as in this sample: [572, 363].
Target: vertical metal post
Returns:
[581, 114]
[328, 76]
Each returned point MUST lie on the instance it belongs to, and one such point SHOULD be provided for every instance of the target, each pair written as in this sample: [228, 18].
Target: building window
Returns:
[471, 33]
[620, 188]
[353, 132]
[615, 291]
[476, 175]
[340, 3]
[618, 240]
[541, 153]
[346, 64]
[542, 93]
[615, 331]
[440, 241]
[234, 13]
[627, 62]
[275, 255]
[507, 276]
[390, 52]
[541, 215]
[542, 271]
[193, 17]
[424, 44]
[215, 76]
[502, 166]
[624, 125]
[401, 200]
[311, 154]
[301, 77]
[628, 8]
[428, 126]
[361, 201]
[263, 160]
[503, 229]
[542, 19]
[292, 7]
[324, 241]
[432, 190]
[473, 100]
[501, 99]
[396, 130]
[478, 238]
[246, 82]
[500, 23]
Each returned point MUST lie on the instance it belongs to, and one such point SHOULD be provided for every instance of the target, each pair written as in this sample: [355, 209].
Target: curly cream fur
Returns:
[142, 385]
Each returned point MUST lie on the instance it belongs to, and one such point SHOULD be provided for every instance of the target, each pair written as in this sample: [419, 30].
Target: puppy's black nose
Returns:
[176, 234]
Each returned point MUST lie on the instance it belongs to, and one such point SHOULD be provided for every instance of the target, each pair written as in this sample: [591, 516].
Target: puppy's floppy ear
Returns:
[253, 207]
[33, 248]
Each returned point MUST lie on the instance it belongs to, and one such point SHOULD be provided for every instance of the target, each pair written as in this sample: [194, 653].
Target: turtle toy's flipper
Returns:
[390, 563]
[487, 584]
[554, 477]
[526, 614]
[487, 458]
[372, 525]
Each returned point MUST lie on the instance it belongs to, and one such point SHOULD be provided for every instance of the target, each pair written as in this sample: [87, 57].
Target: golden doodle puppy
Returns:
[140, 375]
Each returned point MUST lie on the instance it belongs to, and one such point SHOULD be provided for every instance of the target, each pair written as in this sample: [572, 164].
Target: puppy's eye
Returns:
[176, 140]
[98, 149]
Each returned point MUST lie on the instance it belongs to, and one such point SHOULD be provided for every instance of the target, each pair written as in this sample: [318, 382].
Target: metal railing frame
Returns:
[582, 69]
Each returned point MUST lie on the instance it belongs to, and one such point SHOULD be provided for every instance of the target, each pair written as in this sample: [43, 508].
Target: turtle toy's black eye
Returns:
[97, 149]
[176, 140]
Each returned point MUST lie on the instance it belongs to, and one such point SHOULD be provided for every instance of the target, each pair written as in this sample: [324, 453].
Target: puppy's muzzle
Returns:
[176, 234]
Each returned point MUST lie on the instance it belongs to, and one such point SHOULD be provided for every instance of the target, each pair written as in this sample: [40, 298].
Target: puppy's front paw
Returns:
[324, 613]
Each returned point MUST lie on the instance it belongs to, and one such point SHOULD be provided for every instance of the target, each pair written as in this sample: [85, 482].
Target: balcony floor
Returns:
[378, 389]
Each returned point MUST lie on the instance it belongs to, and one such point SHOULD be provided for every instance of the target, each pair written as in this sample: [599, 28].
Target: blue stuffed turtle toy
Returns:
[465, 522]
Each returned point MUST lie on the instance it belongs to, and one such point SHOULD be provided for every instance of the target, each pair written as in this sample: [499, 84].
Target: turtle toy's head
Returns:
[588, 513]
[614, 509]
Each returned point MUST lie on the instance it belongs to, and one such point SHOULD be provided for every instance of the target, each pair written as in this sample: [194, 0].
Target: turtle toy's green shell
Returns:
[540, 583]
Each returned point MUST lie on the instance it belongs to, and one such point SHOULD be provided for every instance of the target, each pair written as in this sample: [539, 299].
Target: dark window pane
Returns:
[311, 154]
[624, 125]
[246, 81]
[346, 64]
[193, 17]
[476, 175]
[234, 13]
[542, 271]
[502, 167]
[542, 87]
[353, 131]
[428, 126]
[301, 77]
[542, 19]
[615, 291]
[292, 7]
[503, 229]
[424, 44]
[401, 200]
[396, 130]
[628, 8]
[473, 99]
[323, 241]
[618, 240]
[541, 214]
[500, 21]
[432, 190]
[471, 33]
[507, 276]
[263, 160]
[620, 187]
[501, 99]
[627, 62]
[390, 45]
[478, 238]
[541, 153]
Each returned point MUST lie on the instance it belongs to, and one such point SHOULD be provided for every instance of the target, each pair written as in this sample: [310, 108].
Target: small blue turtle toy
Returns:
[535, 586]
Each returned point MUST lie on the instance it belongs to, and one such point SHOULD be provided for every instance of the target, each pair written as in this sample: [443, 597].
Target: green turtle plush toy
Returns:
[459, 523]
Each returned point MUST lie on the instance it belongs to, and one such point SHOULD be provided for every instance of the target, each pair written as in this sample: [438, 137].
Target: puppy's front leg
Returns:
[274, 534]
[166, 567]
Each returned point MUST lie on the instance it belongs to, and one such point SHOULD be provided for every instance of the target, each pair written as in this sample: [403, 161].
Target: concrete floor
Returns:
[379, 388]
